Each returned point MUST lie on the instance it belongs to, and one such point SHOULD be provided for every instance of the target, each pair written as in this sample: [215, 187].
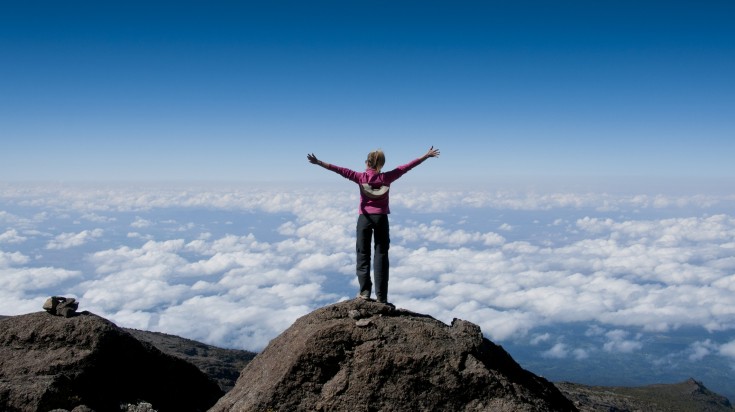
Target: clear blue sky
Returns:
[131, 90]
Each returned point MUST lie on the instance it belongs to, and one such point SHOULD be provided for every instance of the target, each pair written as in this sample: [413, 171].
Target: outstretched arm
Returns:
[313, 160]
[401, 170]
[342, 171]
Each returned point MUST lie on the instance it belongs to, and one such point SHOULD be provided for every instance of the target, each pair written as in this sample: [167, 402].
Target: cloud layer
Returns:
[236, 266]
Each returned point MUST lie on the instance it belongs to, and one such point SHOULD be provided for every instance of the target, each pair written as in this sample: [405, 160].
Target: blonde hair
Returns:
[376, 160]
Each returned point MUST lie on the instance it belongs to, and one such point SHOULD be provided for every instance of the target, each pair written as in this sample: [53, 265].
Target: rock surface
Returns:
[50, 362]
[222, 365]
[687, 396]
[366, 356]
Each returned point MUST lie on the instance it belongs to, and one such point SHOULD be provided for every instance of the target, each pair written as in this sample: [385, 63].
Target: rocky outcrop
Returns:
[688, 396]
[222, 365]
[52, 362]
[366, 356]
[349, 356]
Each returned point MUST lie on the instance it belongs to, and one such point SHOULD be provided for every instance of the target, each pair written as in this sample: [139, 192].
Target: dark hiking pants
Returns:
[367, 225]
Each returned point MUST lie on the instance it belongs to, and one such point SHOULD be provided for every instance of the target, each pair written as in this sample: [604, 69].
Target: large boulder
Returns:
[366, 356]
[52, 362]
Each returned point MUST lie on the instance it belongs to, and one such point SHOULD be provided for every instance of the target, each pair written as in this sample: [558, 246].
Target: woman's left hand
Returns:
[432, 152]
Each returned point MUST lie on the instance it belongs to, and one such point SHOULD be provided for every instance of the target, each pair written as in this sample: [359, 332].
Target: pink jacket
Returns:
[374, 186]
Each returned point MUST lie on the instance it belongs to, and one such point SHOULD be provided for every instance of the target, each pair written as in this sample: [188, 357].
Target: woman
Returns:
[373, 216]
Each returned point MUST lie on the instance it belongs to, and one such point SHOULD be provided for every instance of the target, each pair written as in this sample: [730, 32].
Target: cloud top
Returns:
[234, 267]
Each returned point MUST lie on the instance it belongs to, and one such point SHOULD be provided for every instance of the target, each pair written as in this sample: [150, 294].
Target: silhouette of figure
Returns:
[373, 216]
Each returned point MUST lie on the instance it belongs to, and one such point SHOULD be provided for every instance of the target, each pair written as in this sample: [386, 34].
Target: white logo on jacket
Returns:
[368, 191]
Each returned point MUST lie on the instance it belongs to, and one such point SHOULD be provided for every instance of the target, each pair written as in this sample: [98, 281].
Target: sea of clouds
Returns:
[574, 275]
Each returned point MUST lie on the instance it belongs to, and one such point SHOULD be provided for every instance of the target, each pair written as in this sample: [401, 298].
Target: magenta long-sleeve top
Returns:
[374, 186]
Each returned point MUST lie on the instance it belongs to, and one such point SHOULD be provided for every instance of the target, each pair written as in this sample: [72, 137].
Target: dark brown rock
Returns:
[399, 361]
[51, 362]
[222, 365]
[61, 306]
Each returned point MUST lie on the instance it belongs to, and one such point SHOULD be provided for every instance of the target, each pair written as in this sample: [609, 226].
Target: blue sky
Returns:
[243, 90]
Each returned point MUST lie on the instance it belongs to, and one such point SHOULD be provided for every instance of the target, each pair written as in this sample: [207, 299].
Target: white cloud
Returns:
[24, 223]
[140, 223]
[94, 217]
[613, 270]
[136, 235]
[8, 217]
[700, 349]
[413, 286]
[436, 234]
[580, 354]
[236, 272]
[11, 236]
[322, 262]
[728, 349]
[558, 351]
[506, 227]
[270, 199]
[562, 351]
[125, 291]
[12, 259]
[540, 338]
[21, 281]
[152, 260]
[618, 342]
[70, 240]
[533, 200]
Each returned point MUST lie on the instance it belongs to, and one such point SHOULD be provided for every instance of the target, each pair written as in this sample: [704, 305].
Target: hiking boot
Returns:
[364, 297]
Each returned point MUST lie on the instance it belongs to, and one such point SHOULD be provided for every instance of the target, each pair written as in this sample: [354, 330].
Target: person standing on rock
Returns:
[373, 216]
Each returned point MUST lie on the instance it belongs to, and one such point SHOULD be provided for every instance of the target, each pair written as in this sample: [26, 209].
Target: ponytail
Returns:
[376, 160]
